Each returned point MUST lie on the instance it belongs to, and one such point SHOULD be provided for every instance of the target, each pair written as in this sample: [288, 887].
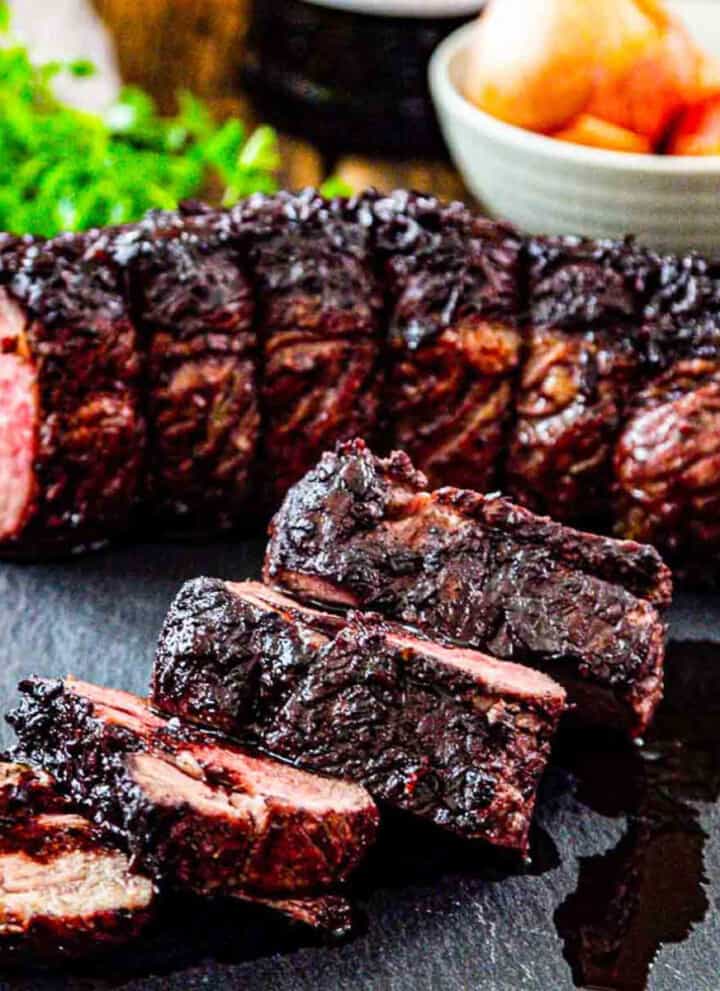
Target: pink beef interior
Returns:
[117, 706]
[18, 420]
[263, 597]
[262, 777]
[318, 589]
[203, 758]
[496, 677]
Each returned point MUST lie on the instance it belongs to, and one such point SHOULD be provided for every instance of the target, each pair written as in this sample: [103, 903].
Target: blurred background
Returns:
[598, 117]
[366, 119]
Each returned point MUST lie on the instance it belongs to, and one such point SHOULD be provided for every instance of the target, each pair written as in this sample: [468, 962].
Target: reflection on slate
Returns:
[648, 890]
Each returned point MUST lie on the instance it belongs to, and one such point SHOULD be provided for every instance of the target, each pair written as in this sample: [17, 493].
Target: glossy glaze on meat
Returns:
[192, 811]
[451, 735]
[193, 306]
[454, 342]
[319, 306]
[477, 570]
[583, 359]
[265, 334]
[667, 458]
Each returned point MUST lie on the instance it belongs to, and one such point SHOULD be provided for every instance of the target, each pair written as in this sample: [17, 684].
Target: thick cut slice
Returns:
[227, 652]
[319, 311]
[192, 811]
[479, 571]
[26, 792]
[63, 889]
[583, 359]
[194, 307]
[71, 427]
[448, 734]
[454, 340]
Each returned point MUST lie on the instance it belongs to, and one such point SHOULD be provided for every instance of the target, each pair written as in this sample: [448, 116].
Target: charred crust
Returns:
[158, 789]
[365, 700]
[476, 570]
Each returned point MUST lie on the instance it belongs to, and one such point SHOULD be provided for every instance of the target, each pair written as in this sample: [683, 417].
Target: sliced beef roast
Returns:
[71, 429]
[194, 307]
[454, 342]
[479, 571]
[667, 465]
[319, 309]
[63, 889]
[191, 810]
[583, 360]
[445, 733]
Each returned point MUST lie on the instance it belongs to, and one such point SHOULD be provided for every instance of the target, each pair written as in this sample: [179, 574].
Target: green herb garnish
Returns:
[64, 169]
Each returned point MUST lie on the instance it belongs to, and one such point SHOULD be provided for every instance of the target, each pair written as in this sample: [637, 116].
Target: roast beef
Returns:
[583, 360]
[363, 532]
[577, 376]
[454, 344]
[71, 429]
[448, 734]
[192, 811]
[667, 457]
[319, 309]
[63, 889]
[194, 308]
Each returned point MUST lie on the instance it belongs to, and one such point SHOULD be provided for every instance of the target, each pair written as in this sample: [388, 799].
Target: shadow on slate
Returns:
[185, 932]
[648, 890]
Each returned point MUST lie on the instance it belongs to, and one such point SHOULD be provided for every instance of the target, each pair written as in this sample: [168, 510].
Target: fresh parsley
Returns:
[65, 169]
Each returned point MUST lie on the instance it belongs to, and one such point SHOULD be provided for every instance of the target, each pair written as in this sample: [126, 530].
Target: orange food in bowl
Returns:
[534, 63]
[651, 92]
[597, 133]
[708, 75]
[698, 130]
[614, 74]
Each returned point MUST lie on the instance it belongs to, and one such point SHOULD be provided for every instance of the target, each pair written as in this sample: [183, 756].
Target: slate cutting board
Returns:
[626, 851]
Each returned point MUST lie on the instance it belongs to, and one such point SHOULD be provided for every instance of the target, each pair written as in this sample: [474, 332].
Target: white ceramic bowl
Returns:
[552, 187]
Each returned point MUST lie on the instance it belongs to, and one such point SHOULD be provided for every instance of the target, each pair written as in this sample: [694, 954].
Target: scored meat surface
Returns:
[194, 308]
[318, 323]
[576, 376]
[667, 459]
[64, 891]
[363, 532]
[191, 810]
[454, 340]
[445, 733]
[583, 359]
[71, 430]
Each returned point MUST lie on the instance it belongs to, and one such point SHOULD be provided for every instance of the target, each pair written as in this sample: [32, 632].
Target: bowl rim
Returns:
[447, 95]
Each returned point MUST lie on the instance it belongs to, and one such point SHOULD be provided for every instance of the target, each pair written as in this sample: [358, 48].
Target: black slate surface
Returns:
[622, 892]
